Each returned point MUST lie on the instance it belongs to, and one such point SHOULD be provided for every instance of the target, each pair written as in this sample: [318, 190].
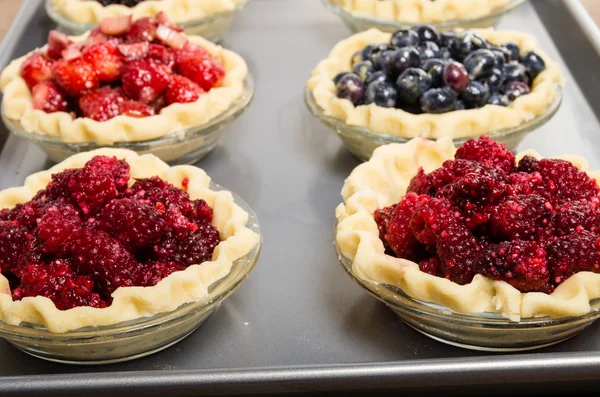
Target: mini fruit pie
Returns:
[476, 229]
[105, 235]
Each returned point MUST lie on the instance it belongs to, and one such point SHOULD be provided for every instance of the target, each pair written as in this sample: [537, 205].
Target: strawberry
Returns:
[57, 42]
[35, 69]
[161, 54]
[144, 80]
[182, 90]
[75, 77]
[48, 97]
[134, 51]
[106, 60]
[206, 71]
[96, 35]
[144, 29]
[102, 104]
[135, 109]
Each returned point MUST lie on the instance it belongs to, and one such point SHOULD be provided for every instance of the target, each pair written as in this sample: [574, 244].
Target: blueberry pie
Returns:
[476, 229]
[109, 236]
[420, 82]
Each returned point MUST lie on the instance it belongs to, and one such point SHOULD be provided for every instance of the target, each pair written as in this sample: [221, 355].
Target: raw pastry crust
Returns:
[18, 105]
[381, 182]
[456, 124]
[130, 303]
[179, 11]
[422, 11]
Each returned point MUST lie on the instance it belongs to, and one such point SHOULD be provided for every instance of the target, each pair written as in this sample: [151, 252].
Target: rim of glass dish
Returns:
[61, 20]
[217, 292]
[341, 127]
[399, 300]
[235, 110]
[389, 23]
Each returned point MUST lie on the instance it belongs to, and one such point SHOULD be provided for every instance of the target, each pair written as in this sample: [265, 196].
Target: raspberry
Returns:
[57, 43]
[382, 218]
[487, 152]
[194, 248]
[58, 229]
[26, 214]
[118, 169]
[92, 189]
[13, 241]
[135, 109]
[102, 104]
[458, 251]
[431, 266]
[202, 69]
[106, 60]
[528, 164]
[524, 183]
[576, 216]
[430, 219]
[452, 170]
[144, 80]
[48, 97]
[75, 77]
[135, 224]
[35, 69]
[522, 264]
[421, 184]
[521, 217]
[182, 90]
[399, 236]
[204, 213]
[573, 253]
[156, 271]
[565, 181]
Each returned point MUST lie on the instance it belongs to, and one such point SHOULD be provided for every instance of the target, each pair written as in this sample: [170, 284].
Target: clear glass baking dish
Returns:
[137, 338]
[185, 146]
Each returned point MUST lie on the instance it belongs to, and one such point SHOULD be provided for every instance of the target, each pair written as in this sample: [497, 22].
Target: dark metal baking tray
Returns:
[299, 323]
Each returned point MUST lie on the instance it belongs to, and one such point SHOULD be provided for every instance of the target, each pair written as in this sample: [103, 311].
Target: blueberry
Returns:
[480, 63]
[411, 85]
[534, 64]
[378, 76]
[446, 38]
[428, 50]
[382, 60]
[455, 76]
[373, 52]
[496, 80]
[339, 76]
[476, 95]
[499, 57]
[356, 57]
[405, 38]
[460, 105]
[402, 59]
[515, 89]
[426, 33]
[498, 99]
[363, 69]
[515, 51]
[465, 43]
[435, 69]
[351, 87]
[445, 54]
[514, 71]
[366, 52]
[438, 100]
[381, 93]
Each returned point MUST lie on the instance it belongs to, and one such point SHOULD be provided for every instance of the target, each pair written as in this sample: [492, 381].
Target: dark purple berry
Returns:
[438, 100]
[411, 85]
[351, 87]
[455, 76]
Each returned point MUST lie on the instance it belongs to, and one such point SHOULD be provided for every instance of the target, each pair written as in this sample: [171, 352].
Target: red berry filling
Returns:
[88, 234]
[123, 68]
[532, 224]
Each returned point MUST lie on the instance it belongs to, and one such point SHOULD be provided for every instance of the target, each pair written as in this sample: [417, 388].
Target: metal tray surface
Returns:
[299, 323]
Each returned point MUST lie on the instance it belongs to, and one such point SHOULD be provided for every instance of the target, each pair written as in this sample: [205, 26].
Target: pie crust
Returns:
[130, 303]
[179, 11]
[18, 105]
[381, 182]
[455, 124]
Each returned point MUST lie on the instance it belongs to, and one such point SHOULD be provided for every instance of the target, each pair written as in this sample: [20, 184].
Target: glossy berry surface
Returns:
[381, 93]
[351, 87]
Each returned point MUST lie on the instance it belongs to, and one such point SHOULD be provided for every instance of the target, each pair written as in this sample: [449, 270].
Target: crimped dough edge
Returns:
[129, 303]
[179, 11]
[422, 11]
[381, 182]
[18, 105]
[455, 124]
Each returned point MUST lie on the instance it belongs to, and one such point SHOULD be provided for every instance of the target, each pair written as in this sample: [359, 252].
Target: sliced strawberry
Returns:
[115, 26]
[48, 97]
[106, 59]
[102, 104]
[191, 48]
[145, 80]
[35, 69]
[163, 19]
[160, 53]
[205, 71]
[57, 43]
[134, 51]
[144, 29]
[75, 77]
[182, 90]
[158, 104]
[135, 109]
[71, 52]
[170, 37]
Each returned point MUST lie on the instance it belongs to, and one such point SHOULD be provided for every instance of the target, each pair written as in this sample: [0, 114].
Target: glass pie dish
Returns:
[361, 142]
[358, 23]
[137, 338]
[212, 27]
[185, 146]
[483, 332]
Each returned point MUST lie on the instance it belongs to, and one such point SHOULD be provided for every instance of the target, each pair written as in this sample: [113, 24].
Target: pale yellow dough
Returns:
[18, 105]
[381, 182]
[456, 124]
[422, 11]
[179, 11]
[130, 303]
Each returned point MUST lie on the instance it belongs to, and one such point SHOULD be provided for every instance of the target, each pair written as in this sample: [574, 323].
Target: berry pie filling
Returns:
[127, 3]
[532, 223]
[89, 232]
[421, 70]
[123, 67]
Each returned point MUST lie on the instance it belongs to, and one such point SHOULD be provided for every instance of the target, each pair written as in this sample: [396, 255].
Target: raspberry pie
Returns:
[125, 81]
[109, 236]
[475, 229]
